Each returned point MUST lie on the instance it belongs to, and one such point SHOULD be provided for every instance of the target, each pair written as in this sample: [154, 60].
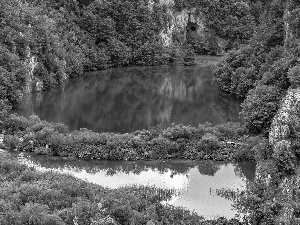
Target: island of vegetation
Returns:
[43, 43]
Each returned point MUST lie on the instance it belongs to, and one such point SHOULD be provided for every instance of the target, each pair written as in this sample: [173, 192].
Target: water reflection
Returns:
[195, 182]
[132, 98]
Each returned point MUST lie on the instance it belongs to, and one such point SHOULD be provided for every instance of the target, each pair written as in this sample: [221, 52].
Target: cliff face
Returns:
[283, 137]
[187, 20]
[280, 138]
[182, 22]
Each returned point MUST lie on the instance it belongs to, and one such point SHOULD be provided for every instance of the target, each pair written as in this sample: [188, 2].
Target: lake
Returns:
[134, 98]
[196, 183]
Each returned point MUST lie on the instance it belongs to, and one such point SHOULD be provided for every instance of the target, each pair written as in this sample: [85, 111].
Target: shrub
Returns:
[188, 56]
[209, 144]
[260, 106]
[276, 75]
[83, 210]
[177, 141]
[42, 151]
[14, 124]
[120, 54]
[11, 142]
[252, 148]
[178, 132]
[200, 45]
[294, 76]
[230, 130]
[151, 53]
[160, 147]
[285, 160]
[237, 73]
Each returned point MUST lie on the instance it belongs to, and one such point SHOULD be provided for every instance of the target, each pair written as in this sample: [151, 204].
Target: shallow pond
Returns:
[195, 182]
[133, 98]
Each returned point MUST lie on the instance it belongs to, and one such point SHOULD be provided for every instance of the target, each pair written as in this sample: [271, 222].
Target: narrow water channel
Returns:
[195, 183]
[134, 98]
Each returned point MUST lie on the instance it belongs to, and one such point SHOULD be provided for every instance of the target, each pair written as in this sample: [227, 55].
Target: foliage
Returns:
[259, 69]
[189, 56]
[230, 19]
[202, 45]
[31, 197]
[177, 141]
[11, 141]
[153, 53]
[42, 42]
[294, 76]
[260, 106]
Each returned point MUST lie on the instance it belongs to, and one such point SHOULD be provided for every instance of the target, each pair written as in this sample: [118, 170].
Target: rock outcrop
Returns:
[281, 139]
[186, 20]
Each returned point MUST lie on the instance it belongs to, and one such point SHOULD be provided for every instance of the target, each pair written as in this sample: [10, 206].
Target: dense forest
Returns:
[43, 43]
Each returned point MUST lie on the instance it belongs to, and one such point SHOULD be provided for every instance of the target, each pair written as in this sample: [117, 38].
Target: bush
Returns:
[260, 106]
[151, 53]
[237, 73]
[42, 151]
[209, 144]
[11, 142]
[188, 56]
[177, 141]
[294, 76]
[253, 149]
[14, 124]
[120, 54]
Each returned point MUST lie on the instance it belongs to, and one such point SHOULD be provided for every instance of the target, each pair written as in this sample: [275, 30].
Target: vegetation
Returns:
[259, 69]
[44, 42]
[31, 197]
[265, 70]
[230, 19]
[224, 142]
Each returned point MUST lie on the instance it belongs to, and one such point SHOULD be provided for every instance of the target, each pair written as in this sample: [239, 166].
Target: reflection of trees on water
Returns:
[208, 169]
[111, 168]
[132, 98]
[246, 170]
[225, 107]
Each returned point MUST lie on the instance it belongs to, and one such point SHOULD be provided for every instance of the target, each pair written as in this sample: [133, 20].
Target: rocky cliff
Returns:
[187, 21]
[281, 138]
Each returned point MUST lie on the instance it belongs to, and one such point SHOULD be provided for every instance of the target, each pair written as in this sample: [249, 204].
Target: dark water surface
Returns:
[195, 182]
[133, 98]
